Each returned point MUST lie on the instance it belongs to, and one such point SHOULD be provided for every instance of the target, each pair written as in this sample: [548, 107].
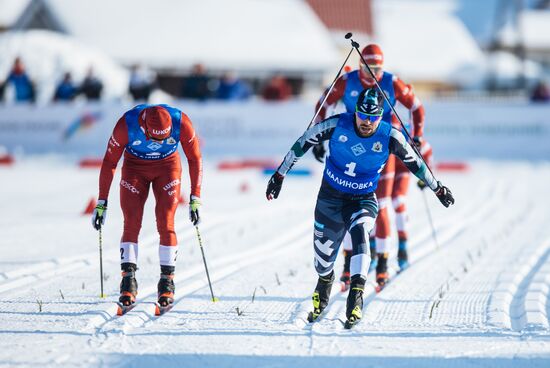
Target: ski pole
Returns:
[214, 299]
[348, 35]
[434, 234]
[355, 46]
[101, 262]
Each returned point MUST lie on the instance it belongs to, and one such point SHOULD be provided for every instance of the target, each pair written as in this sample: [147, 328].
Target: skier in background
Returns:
[360, 145]
[394, 180]
[149, 136]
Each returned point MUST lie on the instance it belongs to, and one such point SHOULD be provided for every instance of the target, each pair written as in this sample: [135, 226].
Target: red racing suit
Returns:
[164, 175]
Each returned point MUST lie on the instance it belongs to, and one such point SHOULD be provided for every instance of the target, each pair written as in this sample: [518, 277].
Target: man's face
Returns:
[377, 70]
[366, 124]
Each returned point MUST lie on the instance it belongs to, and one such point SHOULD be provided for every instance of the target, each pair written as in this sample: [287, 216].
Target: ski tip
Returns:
[157, 310]
[119, 311]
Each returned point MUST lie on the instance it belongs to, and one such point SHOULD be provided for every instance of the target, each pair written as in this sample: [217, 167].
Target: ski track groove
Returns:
[420, 247]
[428, 298]
[141, 316]
[463, 307]
[44, 272]
[519, 300]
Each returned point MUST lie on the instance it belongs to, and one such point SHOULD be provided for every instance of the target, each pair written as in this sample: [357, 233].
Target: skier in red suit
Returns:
[394, 179]
[149, 136]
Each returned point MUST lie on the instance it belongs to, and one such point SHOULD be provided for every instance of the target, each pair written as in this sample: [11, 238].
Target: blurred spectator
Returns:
[66, 90]
[277, 89]
[20, 82]
[196, 86]
[142, 82]
[541, 93]
[231, 88]
[91, 86]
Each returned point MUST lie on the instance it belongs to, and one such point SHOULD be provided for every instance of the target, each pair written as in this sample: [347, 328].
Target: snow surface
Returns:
[480, 299]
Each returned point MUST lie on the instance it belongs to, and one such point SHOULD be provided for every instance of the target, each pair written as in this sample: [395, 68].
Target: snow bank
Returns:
[47, 55]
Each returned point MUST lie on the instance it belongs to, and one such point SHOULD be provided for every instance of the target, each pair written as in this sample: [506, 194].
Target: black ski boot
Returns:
[321, 295]
[165, 286]
[128, 284]
[344, 279]
[354, 303]
[382, 271]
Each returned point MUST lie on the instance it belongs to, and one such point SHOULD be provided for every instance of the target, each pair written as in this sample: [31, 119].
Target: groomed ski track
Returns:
[480, 299]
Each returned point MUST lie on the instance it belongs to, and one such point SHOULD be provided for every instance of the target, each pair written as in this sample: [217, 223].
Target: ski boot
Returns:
[382, 275]
[345, 278]
[402, 256]
[166, 289]
[354, 303]
[128, 285]
[165, 286]
[321, 296]
[373, 256]
[128, 289]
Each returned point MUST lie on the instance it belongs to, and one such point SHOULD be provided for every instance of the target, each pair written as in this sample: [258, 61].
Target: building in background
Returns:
[519, 45]
[253, 38]
[439, 45]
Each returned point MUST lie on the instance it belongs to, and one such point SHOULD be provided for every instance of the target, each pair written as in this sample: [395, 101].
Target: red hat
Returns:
[157, 122]
[373, 55]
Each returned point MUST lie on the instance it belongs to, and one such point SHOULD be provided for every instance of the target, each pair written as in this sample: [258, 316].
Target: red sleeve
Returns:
[335, 95]
[115, 148]
[405, 95]
[190, 144]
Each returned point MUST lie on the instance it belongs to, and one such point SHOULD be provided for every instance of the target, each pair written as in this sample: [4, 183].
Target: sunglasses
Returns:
[376, 70]
[365, 116]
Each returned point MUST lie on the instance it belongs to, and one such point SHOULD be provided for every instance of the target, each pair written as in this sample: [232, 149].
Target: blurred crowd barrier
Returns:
[456, 130]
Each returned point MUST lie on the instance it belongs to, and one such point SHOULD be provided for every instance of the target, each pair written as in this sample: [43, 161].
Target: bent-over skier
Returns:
[149, 136]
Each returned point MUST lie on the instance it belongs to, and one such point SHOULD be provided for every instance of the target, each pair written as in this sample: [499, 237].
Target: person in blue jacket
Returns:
[21, 83]
[66, 90]
[360, 143]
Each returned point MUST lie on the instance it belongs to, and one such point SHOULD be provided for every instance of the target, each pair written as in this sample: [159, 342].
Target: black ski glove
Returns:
[444, 195]
[274, 186]
[319, 152]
